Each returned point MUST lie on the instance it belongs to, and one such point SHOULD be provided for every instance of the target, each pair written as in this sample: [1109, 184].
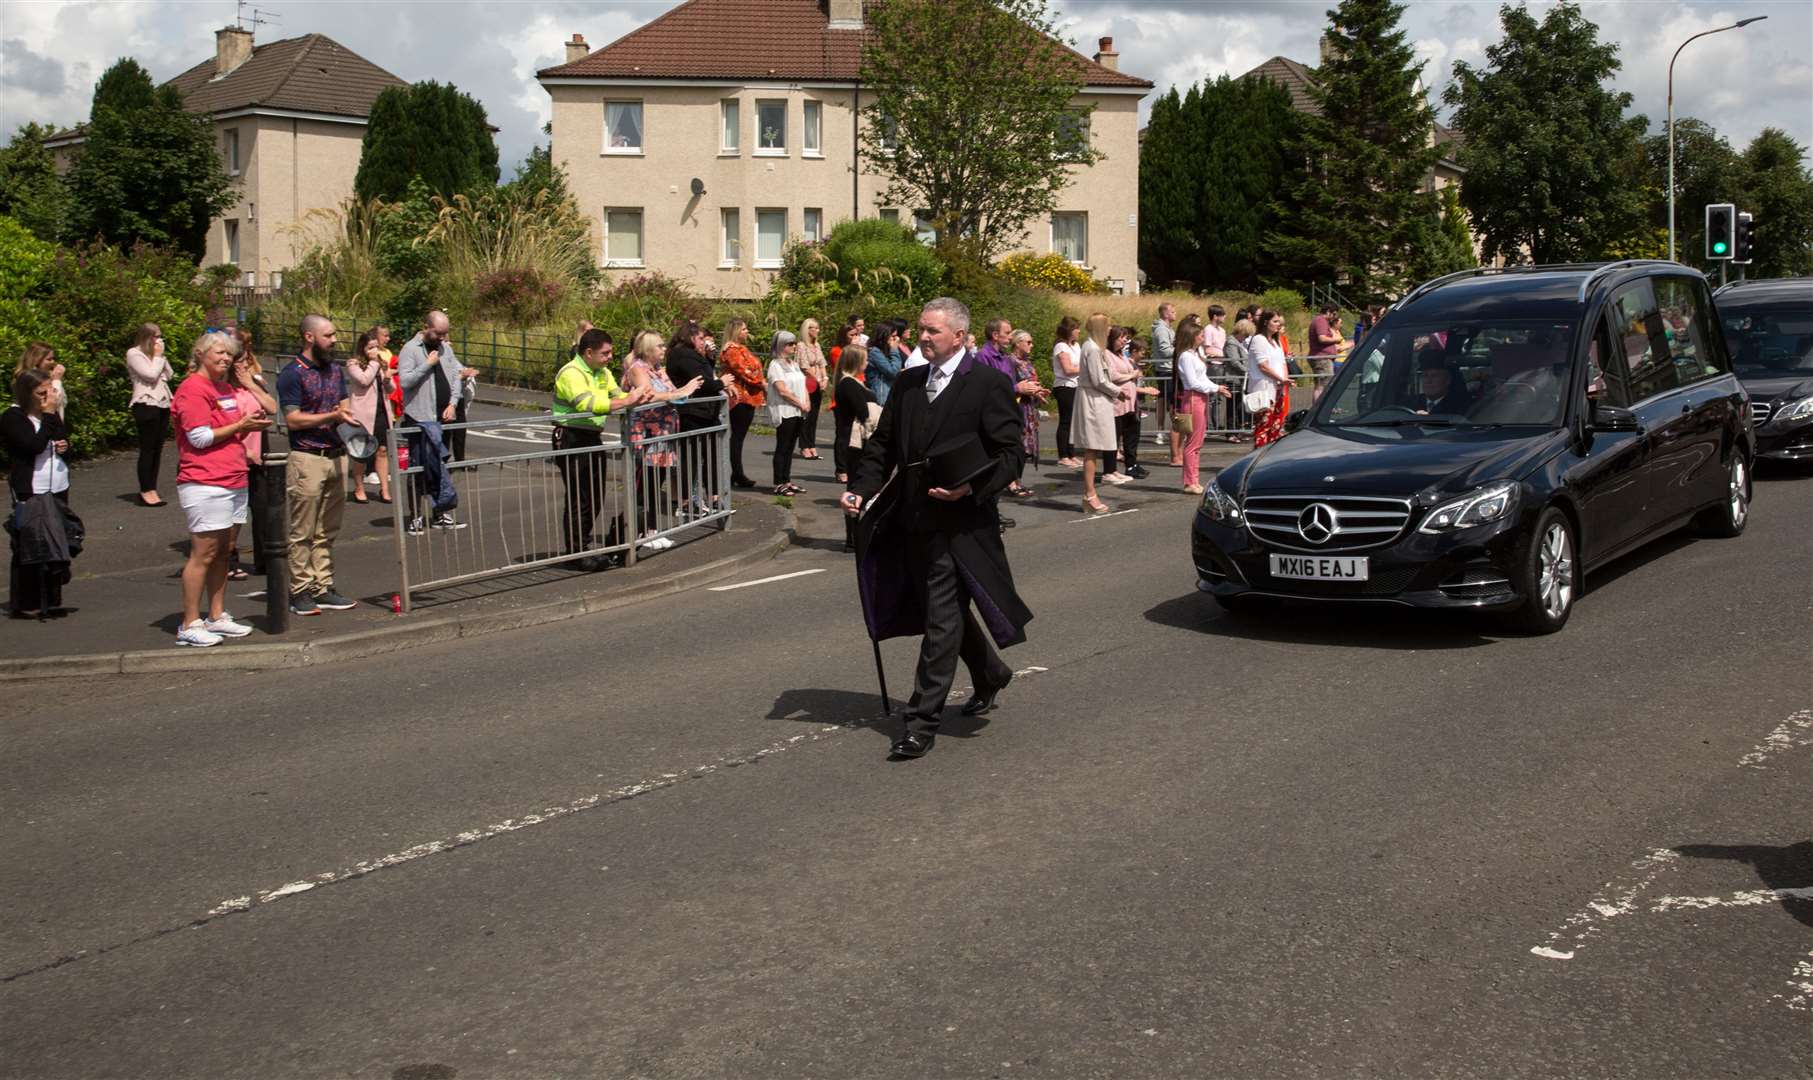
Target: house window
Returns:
[249, 279]
[623, 237]
[890, 215]
[623, 127]
[771, 127]
[233, 242]
[731, 141]
[231, 135]
[923, 230]
[815, 225]
[1073, 136]
[809, 133]
[276, 279]
[890, 133]
[733, 238]
[1070, 236]
[770, 237]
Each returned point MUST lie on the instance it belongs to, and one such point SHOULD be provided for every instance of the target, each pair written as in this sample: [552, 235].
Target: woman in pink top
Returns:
[248, 387]
[1126, 373]
[211, 425]
[367, 379]
[150, 372]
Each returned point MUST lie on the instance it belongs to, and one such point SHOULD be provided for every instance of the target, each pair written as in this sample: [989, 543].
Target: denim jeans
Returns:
[427, 450]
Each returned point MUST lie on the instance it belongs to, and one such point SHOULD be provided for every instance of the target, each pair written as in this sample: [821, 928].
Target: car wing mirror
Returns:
[1614, 418]
[1295, 420]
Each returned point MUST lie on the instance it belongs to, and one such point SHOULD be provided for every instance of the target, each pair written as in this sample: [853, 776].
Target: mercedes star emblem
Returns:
[1318, 522]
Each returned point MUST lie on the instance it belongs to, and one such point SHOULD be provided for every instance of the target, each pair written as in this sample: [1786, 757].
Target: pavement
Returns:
[125, 599]
[664, 841]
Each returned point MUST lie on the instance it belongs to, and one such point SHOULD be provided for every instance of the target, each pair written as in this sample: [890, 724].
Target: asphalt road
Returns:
[665, 842]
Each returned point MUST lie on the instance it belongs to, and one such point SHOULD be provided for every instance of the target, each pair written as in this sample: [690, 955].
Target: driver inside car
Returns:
[1441, 391]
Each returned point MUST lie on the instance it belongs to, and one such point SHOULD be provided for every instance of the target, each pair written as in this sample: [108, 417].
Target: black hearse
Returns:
[1769, 333]
[1500, 433]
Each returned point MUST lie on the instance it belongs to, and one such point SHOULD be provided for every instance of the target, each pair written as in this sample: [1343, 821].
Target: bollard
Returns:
[272, 509]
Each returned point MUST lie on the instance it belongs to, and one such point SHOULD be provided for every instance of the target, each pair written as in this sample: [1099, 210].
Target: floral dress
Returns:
[1029, 410]
[655, 422]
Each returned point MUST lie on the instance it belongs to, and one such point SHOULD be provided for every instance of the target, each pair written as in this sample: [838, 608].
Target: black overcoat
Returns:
[891, 477]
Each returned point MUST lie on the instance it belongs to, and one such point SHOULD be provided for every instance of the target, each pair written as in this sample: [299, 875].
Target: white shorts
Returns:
[210, 508]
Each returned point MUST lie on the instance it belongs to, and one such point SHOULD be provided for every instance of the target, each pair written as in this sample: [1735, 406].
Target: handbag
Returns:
[1261, 399]
[1183, 423]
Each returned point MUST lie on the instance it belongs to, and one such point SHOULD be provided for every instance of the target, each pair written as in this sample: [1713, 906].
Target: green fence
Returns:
[526, 358]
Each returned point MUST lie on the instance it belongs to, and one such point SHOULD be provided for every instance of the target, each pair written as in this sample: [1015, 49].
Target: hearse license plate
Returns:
[1319, 567]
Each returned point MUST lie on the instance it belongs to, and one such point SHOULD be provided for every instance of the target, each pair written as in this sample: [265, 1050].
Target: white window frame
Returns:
[1084, 121]
[773, 262]
[1052, 237]
[890, 133]
[730, 123]
[889, 213]
[230, 248]
[812, 226]
[770, 151]
[812, 130]
[730, 238]
[641, 237]
[642, 128]
[232, 150]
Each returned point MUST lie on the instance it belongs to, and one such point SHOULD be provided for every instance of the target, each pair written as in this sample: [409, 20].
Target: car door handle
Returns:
[1687, 408]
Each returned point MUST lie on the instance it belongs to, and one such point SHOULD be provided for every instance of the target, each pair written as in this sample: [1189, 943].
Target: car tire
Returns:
[1550, 575]
[1728, 518]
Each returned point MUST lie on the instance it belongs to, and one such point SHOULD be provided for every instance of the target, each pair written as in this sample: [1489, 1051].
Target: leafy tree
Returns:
[969, 103]
[1250, 128]
[31, 192]
[1778, 189]
[1359, 205]
[125, 86]
[1444, 244]
[426, 130]
[1707, 170]
[1553, 164]
[148, 171]
[1169, 182]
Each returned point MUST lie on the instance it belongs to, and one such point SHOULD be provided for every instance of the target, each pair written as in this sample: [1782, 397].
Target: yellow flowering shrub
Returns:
[1049, 272]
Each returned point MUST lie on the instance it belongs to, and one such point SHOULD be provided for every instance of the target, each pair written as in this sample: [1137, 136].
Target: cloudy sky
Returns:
[51, 51]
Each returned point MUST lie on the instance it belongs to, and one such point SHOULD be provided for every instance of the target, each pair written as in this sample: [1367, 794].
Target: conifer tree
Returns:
[426, 130]
[1249, 128]
[1168, 182]
[124, 86]
[1360, 203]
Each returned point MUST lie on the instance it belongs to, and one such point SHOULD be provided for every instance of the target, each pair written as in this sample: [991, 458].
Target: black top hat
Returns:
[956, 461]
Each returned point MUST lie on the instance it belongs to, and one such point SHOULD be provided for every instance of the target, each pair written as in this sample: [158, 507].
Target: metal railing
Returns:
[600, 495]
[1229, 415]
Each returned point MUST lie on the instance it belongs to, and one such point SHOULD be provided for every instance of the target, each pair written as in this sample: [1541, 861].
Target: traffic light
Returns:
[1744, 243]
[1721, 230]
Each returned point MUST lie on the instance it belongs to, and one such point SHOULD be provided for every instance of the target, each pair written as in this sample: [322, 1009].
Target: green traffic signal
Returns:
[1718, 247]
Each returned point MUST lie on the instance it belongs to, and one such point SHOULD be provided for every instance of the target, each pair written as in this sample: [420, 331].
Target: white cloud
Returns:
[1739, 81]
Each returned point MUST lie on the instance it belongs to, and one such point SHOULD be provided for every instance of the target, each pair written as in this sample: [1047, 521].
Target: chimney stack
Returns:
[845, 14]
[577, 48]
[232, 47]
[1106, 56]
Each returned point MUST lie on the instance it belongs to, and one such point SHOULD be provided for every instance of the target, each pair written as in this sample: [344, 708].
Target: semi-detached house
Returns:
[703, 140]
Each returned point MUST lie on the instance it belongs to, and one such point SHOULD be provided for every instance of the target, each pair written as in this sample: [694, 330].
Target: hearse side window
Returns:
[1605, 369]
[1685, 327]
[1637, 325]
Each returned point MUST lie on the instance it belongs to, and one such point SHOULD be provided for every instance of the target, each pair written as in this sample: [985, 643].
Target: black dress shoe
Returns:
[984, 699]
[742, 482]
[911, 745]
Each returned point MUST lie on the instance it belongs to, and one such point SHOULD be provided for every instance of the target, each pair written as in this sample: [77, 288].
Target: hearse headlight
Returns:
[1794, 411]
[1219, 505]
[1477, 507]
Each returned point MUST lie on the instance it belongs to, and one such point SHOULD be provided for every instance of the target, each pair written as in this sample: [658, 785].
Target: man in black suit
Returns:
[935, 548]
[1441, 391]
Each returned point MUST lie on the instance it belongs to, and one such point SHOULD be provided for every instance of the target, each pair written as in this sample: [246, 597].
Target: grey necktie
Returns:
[934, 385]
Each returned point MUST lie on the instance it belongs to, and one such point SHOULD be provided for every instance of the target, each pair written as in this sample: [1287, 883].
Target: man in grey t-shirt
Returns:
[1164, 365]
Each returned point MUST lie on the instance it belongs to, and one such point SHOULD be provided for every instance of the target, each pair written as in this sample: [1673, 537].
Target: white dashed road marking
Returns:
[766, 580]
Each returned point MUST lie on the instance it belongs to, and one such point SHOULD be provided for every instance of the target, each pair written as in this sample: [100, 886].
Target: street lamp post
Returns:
[1671, 119]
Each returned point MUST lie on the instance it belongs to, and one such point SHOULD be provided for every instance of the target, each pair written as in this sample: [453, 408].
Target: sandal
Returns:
[809, 454]
[237, 574]
[1094, 506]
[1020, 491]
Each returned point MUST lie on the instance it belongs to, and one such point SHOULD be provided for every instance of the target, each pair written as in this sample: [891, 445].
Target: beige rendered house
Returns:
[290, 119]
[701, 141]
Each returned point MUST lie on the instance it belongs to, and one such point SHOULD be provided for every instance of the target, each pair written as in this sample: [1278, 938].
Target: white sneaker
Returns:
[371, 480]
[198, 635]
[1115, 478]
[225, 626]
[664, 542]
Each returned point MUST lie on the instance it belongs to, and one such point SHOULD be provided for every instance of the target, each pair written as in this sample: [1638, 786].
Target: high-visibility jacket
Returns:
[582, 397]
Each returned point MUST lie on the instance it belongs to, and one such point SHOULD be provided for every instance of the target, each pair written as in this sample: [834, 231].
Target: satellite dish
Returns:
[698, 186]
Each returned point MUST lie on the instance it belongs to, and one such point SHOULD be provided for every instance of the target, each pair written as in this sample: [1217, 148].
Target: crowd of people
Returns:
[337, 414]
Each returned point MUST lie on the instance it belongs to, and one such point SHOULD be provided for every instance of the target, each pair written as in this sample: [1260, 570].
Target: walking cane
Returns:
[881, 676]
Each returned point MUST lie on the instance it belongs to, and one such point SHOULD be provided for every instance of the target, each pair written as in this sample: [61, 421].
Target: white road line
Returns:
[1801, 982]
[1583, 925]
[1795, 731]
[766, 580]
[1747, 898]
[540, 817]
[1100, 517]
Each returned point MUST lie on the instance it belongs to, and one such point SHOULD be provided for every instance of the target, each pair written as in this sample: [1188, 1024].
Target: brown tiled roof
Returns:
[311, 73]
[1294, 77]
[755, 39]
